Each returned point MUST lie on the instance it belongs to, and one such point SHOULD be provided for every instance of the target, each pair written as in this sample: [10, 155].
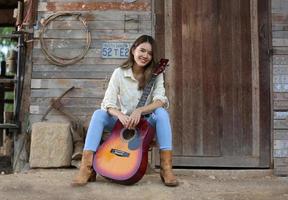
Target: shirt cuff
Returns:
[107, 106]
[163, 99]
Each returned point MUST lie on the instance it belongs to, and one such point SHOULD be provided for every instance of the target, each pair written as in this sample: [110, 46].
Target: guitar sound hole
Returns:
[128, 134]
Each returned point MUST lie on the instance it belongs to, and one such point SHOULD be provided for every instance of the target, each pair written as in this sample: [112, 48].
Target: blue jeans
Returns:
[101, 121]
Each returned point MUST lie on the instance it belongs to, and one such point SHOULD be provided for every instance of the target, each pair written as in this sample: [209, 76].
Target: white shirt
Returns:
[123, 94]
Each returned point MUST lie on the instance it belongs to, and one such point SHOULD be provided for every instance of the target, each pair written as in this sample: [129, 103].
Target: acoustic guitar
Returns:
[123, 157]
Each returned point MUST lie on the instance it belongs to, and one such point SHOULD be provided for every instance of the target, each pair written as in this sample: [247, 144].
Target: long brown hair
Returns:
[150, 66]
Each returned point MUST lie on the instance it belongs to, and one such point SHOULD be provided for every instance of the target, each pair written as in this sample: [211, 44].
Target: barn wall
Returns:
[117, 21]
[108, 21]
[280, 84]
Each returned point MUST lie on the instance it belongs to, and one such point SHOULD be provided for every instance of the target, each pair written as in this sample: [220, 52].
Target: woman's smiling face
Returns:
[142, 54]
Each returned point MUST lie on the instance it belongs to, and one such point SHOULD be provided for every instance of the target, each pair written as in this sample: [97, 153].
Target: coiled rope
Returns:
[62, 61]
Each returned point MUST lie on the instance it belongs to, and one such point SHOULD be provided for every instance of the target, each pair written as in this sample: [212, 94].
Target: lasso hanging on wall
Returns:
[62, 61]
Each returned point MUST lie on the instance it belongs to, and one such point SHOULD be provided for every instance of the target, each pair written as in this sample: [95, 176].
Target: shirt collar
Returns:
[129, 73]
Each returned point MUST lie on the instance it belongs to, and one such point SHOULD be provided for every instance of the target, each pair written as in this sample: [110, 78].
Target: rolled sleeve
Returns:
[159, 91]
[111, 95]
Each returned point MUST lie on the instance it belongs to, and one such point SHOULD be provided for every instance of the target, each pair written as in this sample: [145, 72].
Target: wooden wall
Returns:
[280, 84]
[108, 21]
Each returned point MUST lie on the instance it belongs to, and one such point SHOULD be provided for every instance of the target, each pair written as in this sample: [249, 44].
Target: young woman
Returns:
[121, 98]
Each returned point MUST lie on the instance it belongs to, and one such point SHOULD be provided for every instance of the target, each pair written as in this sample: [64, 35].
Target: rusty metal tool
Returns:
[56, 103]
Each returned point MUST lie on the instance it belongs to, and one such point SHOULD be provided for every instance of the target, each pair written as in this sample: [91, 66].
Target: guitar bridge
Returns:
[119, 153]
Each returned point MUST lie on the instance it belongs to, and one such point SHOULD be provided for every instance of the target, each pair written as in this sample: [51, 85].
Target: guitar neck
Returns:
[146, 91]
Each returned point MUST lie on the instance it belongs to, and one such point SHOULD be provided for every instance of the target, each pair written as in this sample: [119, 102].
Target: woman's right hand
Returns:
[124, 119]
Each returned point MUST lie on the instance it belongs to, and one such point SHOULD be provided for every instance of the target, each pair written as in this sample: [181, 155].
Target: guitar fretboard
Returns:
[146, 91]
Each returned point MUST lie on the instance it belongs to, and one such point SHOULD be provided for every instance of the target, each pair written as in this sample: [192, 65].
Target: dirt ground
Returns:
[46, 184]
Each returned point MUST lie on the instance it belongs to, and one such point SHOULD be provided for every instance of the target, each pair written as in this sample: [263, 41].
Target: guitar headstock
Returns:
[161, 66]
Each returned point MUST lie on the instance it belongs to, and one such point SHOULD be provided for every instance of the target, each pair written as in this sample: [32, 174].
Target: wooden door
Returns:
[218, 83]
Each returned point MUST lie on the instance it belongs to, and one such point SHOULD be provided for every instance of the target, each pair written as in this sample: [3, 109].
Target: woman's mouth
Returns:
[143, 60]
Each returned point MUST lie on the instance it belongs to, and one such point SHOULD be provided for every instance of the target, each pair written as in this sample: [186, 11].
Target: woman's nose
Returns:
[145, 54]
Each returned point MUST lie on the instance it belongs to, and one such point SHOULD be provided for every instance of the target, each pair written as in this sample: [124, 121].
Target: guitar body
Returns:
[123, 157]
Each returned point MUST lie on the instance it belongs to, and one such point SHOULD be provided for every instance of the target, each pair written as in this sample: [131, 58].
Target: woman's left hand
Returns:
[134, 118]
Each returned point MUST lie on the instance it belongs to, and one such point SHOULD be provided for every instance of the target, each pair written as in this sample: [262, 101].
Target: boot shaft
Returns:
[87, 159]
[166, 159]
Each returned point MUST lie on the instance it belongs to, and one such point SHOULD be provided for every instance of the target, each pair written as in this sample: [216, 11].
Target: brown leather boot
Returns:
[86, 172]
[166, 172]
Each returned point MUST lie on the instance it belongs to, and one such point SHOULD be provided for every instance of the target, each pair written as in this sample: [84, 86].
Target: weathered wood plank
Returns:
[98, 15]
[103, 35]
[243, 161]
[280, 87]
[280, 50]
[67, 83]
[144, 5]
[280, 69]
[280, 124]
[71, 75]
[59, 118]
[282, 96]
[280, 134]
[255, 78]
[131, 24]
[83, 92]
[279, 18]
[73, 72]
[70, 102]
[282, 78]
[280, 105]
[74, 43]
[39, 110]
[281, 115]
[265, 74]
[280, 34]
[75, 67]
[280, 59]
[280, 153]
[281, 162]
[67, 52]
[107, 1]
[280, 166]
[51, 118]
[88, 61]
[278, 6]
[279, 42]
[280, 144]
[280, 170]
[279, 27]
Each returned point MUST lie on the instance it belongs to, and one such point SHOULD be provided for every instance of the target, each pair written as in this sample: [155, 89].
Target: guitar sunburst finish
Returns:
[121, 160]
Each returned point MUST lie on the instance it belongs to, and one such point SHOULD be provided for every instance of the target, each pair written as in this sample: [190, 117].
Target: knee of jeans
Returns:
[161, 114]
[99, 115]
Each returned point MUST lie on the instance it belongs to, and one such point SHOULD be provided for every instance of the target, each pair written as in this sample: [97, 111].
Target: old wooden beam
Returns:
[143, 5]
